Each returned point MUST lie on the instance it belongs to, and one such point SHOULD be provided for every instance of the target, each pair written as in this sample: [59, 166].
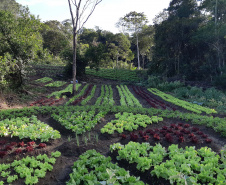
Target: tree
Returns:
[133, 22]
[20, 42]
[10, 6]
[78, 21]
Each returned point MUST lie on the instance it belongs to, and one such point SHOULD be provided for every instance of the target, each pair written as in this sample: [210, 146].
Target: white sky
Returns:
[106, 14]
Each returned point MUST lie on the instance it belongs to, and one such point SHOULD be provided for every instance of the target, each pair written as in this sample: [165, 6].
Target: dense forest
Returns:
[187, 41]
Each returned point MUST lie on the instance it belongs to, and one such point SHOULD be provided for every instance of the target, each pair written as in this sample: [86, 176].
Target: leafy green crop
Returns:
[181, 166]
[56, 84]
[31, 128]
[29, 168]
[94, 168]
[189, 106]
[44, 80]
[128, 121]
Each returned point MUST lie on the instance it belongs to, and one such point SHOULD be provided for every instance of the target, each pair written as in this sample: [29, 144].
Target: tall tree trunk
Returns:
[138, 53]
[74, 61]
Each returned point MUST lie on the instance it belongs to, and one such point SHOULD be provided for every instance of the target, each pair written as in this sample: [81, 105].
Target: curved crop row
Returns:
[56, 84]
[182, 166]
[192, 107]
[94, 168]
[155, 103]
[69, 88]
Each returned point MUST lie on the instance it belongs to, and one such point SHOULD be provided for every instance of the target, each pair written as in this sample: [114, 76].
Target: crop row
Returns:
[31, 128]
[180, 132]
[106, 96]
[78, 95]
[218, 124]
[154, 102]
[128, 121]
[127, 98]
[88, 98]
[186, 105]
[181, 166]
[29, 168]
[56, 84]
[18, 148]
[44, 80]
[84, 96]
[79, 121]
[94, 168]
[115, 74]
[69, 88]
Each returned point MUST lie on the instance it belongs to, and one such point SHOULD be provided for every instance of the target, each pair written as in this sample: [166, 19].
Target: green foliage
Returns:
[44, 80]
[29, 168]
[78, 121]
[94, 168]
[20, 39]
[31, 128]
[129, 121]
[115, 74]
[210, 97]
[181, 165]
[189, 106]
[56, 84]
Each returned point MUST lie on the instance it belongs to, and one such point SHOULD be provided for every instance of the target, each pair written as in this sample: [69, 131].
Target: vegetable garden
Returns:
[111, 133]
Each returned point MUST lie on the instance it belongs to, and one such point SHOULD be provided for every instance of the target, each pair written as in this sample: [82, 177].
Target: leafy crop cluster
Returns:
[154, 102]
[57, 94]
[218, 124]
[77, 95]
[180, 132]
[29, 168]
[46, 101]
[18, 148]
[115, 74]
[128, 121]
[186, 105]
[88, 98]
[94, 168]
[181, 166]
[127, 98]
[78, 121]
[31, 128]
[106, 96]
[56, 84]
[44, 80]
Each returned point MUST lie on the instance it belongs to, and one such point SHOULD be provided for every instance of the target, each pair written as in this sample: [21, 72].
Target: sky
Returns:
[105, 16]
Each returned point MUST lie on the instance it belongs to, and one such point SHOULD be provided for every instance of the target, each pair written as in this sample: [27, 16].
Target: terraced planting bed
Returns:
[110, 134]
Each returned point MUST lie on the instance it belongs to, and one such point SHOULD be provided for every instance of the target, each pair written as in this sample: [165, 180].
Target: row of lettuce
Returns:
[126, 97]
